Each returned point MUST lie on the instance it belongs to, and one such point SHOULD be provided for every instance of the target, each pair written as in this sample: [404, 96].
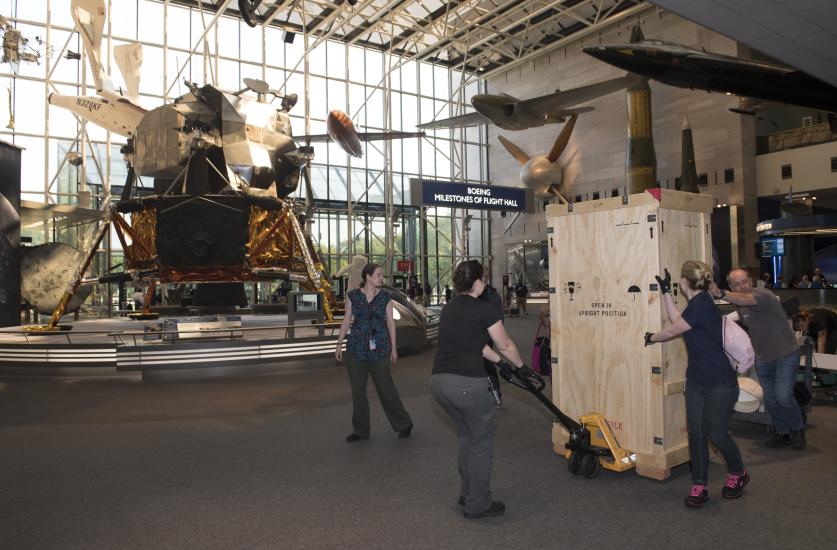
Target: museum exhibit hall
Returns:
[586, 251]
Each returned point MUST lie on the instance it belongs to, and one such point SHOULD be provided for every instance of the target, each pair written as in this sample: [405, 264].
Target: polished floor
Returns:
[261, 462]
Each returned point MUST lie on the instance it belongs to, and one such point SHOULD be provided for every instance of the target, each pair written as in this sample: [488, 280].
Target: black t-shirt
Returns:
[463, 332]
[708, 364]
[491, 296]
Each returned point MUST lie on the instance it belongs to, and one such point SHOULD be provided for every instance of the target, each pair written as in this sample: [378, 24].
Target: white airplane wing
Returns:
[461, 121]
[129, 60]
[560, 103]
[377, 136]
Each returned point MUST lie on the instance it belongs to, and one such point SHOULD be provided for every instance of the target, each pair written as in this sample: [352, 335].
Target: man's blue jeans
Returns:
[777, 379]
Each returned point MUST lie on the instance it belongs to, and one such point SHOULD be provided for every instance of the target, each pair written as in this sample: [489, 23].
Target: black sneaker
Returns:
[697, 497]
[734, 486]
[405, 433]
[779, 440]
[496, 509]
[798, 439]
[354, 437]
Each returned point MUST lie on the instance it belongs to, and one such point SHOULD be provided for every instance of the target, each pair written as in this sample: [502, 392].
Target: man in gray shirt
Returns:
[777, 354]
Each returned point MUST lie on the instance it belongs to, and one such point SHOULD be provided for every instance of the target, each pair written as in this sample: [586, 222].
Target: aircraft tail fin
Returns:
[129, 60]
[89, 17]
[514, 150]
[562, 140]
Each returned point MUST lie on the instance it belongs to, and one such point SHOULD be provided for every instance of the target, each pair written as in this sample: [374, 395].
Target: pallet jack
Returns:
[591, 445]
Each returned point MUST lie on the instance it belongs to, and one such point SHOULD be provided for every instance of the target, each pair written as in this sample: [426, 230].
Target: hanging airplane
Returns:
[16, 48]
[686, 67]
[342, 131]
[510, 113]
[543, 173]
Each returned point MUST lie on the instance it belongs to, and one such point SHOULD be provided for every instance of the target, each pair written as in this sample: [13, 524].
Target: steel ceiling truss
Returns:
[474, 35]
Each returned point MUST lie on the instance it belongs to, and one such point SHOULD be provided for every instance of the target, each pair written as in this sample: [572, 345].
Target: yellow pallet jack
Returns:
[591, 445]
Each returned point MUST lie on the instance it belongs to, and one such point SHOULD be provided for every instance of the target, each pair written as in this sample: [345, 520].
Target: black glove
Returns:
[648, 336]
[525, 371]
[504, 369]
[665, 283]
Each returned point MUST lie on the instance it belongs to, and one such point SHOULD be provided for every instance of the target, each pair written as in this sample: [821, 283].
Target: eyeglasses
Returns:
[739, 283]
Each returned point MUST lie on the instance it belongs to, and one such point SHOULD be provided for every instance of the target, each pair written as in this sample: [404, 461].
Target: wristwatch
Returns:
[723, 294]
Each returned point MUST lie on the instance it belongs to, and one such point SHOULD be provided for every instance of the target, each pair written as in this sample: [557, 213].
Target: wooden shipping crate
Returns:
[603, 256]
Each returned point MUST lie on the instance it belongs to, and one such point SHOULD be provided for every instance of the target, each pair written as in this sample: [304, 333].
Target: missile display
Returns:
[688, 171]
[640, 158]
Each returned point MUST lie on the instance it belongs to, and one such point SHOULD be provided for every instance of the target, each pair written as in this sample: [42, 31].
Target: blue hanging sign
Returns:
[471, 196]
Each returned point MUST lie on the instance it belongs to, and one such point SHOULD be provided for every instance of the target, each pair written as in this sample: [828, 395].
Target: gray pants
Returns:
[470, 405]
[381, 372]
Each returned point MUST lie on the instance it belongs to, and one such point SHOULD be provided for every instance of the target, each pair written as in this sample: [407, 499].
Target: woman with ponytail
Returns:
[711, 383]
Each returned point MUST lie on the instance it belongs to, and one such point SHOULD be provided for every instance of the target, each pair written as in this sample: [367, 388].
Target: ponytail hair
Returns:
[697, 274]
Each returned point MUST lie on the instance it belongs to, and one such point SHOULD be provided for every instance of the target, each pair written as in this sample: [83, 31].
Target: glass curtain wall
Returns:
[355, 214]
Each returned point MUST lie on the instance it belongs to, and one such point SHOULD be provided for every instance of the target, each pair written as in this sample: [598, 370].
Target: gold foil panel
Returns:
[144, 229]
[277, 240]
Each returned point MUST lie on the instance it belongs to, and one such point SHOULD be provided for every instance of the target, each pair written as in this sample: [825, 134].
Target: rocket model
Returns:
[688, 172]
[640, 159]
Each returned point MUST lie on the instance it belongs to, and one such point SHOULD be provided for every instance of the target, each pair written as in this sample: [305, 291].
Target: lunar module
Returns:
[224, 165]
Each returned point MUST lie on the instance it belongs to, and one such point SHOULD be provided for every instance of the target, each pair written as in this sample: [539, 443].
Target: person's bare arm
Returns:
[671, 309]
[489, 354]
[504, 344]
[740, 298]
[822, 336]
[675, 329]
[391, 329]
[344, 328]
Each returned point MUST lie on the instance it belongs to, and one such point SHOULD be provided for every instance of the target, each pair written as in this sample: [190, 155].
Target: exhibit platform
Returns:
[148, 349]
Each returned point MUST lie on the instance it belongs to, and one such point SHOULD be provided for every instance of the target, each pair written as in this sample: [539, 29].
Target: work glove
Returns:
[525, 371]
[665, 283]
[504, 369]
[648, 336]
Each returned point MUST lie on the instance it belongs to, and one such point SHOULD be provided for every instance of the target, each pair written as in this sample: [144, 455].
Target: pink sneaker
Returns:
[734, 487]
[697, 496]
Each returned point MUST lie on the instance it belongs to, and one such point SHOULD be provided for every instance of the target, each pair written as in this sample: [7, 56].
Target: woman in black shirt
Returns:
[466, 329]
[711, 383]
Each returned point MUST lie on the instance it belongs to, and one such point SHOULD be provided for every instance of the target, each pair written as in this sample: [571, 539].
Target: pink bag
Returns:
[738, 347]
[541, 353]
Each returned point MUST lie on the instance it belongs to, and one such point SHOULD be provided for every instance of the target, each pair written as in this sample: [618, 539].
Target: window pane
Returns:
[150, 20]
[336, 59]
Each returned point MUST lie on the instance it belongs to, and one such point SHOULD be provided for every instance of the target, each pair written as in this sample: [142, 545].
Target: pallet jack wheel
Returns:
[590, 466]
[574, 463]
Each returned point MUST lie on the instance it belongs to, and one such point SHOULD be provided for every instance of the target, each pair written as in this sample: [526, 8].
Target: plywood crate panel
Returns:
[603, 258]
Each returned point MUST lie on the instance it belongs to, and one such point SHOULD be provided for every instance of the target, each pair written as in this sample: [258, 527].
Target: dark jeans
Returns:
[708, 412]
[381, 372]
[467, 400]
[777, 379]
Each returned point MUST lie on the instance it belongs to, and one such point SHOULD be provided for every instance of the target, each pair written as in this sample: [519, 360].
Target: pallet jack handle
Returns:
[527, 379]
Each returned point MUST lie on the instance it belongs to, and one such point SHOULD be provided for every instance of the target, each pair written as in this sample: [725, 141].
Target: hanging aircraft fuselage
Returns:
[506, 112]
[684, 67]
[120, 117]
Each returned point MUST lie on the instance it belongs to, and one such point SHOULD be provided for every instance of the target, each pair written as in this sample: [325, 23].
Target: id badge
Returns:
[372, 344]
